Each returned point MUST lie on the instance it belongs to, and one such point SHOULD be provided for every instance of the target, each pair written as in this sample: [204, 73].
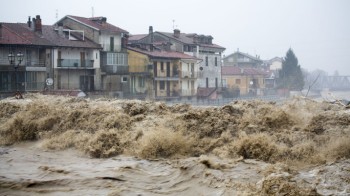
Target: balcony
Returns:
[75, 63]
[37, 63]
[27, 63]
[189, 74]
[115, 69]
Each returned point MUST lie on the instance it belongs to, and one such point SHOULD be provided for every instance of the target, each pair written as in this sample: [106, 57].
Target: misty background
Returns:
[318, 31]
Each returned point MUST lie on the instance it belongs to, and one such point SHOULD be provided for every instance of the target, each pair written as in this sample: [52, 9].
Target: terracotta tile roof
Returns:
[232, 70]
[19, 33]
[94, 22]
[164, 54]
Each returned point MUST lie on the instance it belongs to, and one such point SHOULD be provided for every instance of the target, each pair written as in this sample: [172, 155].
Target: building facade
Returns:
[163, 74]
[240, 59]
[32, 71]
[249, 81]
[208, 69]
[113, 57]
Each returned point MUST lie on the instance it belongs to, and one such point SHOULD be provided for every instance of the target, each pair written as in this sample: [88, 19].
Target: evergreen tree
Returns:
[291, 76]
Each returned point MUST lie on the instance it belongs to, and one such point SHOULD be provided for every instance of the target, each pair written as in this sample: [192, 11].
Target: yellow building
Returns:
[158, 74]
[249, 81]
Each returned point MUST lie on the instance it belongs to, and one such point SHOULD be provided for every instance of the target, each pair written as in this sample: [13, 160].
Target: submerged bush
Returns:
[104, 144]
[163, 143]
[256, 146]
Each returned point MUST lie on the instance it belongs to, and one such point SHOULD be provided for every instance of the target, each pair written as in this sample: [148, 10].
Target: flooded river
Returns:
[68, 146]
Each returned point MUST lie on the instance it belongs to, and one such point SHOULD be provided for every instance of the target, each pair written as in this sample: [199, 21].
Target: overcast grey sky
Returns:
[317, 30]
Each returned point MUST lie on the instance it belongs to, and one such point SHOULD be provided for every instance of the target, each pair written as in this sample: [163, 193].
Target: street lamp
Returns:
[12, 59]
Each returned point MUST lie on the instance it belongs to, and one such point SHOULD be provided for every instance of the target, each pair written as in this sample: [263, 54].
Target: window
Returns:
[207, 82]
[162, 85]
[224, 83]
[116, 59]
[141, 82]
[216, 61]
[161, 66]
[206, 61]
[124, 79]
[238, 81]
[216, 82]
[96, 55]
[111, 42]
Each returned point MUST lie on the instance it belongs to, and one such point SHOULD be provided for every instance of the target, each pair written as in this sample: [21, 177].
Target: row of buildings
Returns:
[98, 58]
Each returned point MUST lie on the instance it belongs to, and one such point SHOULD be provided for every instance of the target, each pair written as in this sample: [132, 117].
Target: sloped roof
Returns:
[188, 39]
[94, 23]
[243, 54]
[52, 35]
[183, 38]
[232, 70]
[20, 34]
[137, 37]
[205, 92]
[163, 54]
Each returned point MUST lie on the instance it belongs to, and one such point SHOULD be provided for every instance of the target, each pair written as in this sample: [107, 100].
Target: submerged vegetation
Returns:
[299, 131]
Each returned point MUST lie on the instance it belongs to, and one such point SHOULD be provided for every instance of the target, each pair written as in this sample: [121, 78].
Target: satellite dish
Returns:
[49, 81]
[201, 68]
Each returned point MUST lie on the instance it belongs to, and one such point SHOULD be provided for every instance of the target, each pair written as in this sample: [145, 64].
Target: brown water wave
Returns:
[245, 147]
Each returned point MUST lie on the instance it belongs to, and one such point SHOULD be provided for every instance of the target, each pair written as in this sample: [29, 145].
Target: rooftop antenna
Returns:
[56, 15]
[92, 11]
[173, 24]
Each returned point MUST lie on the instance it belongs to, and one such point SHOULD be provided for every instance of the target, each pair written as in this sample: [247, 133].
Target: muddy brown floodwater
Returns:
[53, 145]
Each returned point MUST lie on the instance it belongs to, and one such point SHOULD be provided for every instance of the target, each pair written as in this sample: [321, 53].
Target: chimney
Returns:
[60, 29]
[0, 30]
[38, 27]
[176, 33]
[125, 40]
[103, 20]
[29, 22]
[150, 33]
[33, 25]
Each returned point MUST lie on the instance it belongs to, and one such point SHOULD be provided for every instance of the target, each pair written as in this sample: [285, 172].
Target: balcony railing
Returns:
[33, 63]
[37, 63]
[115, 69]
[75, 63]
[189, 74]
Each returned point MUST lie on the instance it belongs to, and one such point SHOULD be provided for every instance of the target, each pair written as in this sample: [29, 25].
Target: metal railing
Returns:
[78, 63]
[189, 74]
[115, 69]
[32, 63]
[224, 101]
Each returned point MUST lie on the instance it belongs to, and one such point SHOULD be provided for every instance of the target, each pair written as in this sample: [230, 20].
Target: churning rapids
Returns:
[52, 145]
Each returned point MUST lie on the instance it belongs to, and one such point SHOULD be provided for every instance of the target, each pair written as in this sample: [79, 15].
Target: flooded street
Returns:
[68, 146]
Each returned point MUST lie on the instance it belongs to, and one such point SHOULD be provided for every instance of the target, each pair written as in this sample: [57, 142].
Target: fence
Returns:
[224, 101]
